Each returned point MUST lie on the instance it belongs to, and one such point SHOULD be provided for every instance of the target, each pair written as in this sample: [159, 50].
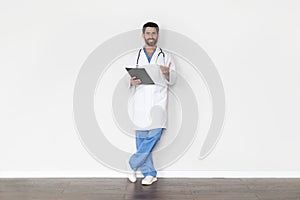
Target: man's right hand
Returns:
[134, 81]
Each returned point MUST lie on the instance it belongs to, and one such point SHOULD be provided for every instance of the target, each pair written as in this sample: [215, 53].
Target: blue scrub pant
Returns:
[145, 142]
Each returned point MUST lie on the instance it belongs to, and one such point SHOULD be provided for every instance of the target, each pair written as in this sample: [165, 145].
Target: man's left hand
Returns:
[165, 69]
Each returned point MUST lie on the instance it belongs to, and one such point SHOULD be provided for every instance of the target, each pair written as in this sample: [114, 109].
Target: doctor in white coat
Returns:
[150, 103]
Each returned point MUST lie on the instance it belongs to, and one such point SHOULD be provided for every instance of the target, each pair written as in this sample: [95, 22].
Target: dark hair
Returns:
[150, 24]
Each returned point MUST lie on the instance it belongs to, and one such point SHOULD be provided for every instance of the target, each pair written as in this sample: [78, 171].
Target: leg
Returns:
[140, 136]
[148, 168]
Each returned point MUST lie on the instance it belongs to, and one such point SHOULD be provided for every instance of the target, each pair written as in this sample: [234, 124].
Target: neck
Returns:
[150, 50]
[150, 47]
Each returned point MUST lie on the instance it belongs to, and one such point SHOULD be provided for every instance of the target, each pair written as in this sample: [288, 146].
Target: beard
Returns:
[151, 42]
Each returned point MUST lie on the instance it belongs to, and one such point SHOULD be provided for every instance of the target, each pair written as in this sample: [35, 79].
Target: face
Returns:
[150, 36]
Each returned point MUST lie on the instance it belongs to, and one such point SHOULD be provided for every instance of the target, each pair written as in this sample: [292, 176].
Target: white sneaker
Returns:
[148, 180]
[131, 173]
[132, 177]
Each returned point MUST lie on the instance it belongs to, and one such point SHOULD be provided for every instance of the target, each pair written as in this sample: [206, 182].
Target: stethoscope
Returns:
[139, 54]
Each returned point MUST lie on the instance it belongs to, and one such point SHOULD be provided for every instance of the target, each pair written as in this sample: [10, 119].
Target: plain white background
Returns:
[255, 46]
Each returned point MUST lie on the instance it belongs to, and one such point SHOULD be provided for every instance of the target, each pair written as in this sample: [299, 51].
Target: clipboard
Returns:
[140, 73]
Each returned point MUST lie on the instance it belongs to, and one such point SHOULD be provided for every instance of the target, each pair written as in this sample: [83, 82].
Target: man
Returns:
[150, 104]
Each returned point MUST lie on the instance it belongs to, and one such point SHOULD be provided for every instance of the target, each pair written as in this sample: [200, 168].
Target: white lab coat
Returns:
[149, 102]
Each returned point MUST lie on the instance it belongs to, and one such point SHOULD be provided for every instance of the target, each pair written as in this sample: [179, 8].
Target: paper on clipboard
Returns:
[156, 74]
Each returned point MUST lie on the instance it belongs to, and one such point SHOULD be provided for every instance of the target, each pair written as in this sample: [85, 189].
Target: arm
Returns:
[166, 71]
[169, 72]
[132, 80]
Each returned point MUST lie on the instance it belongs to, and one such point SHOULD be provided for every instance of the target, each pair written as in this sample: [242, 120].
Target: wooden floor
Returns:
[164, 189]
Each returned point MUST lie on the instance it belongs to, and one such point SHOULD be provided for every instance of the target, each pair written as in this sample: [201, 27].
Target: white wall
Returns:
[254, 44]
